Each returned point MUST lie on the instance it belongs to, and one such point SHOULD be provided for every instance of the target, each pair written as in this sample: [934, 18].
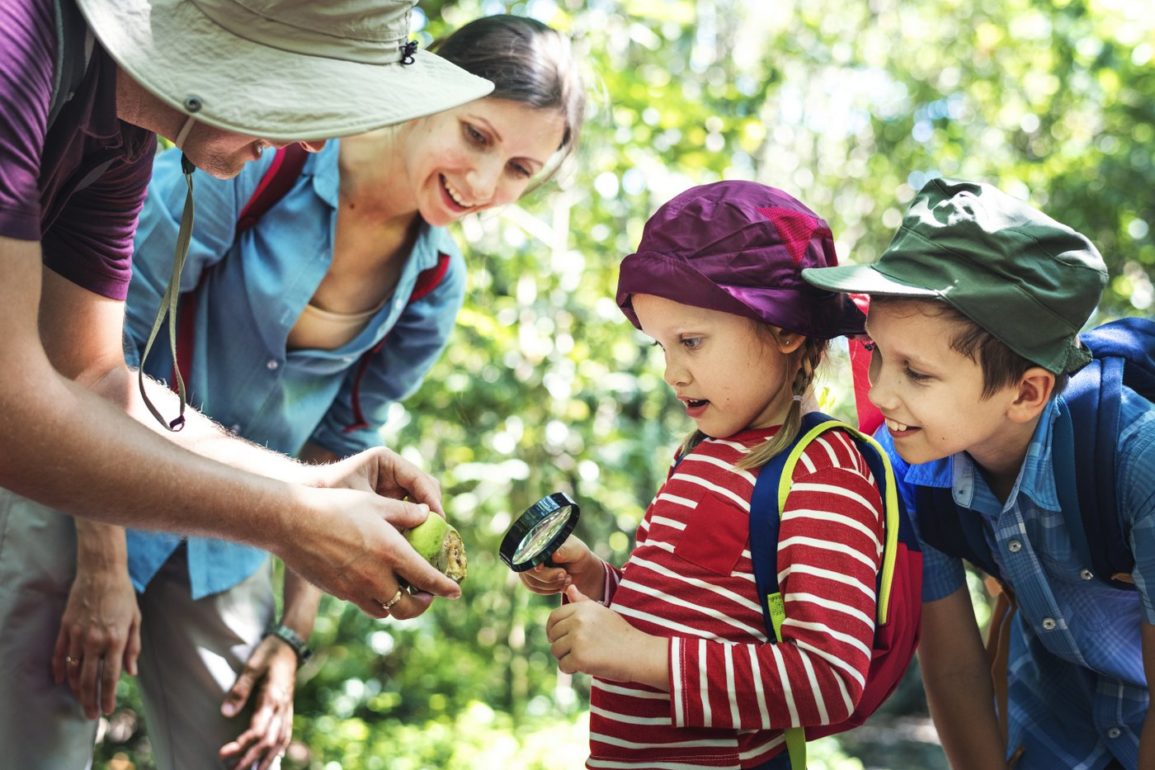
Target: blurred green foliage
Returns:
[848, 106]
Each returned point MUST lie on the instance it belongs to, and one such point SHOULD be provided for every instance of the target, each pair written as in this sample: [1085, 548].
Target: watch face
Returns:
[539, 531]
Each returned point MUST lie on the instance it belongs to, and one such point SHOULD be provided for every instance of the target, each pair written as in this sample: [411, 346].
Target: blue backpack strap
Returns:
[1124, 352]
[764, 521]
[771, 488]
[952, 530]
[1086, 536]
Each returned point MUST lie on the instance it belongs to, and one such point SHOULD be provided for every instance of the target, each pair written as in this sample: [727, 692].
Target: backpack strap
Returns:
[278, 179]
[771, 490]
[1124, 353]
[952, 530]
[74, 46]
[427, 280]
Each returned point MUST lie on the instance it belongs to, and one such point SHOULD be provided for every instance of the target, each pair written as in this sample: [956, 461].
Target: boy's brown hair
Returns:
[1001, 366]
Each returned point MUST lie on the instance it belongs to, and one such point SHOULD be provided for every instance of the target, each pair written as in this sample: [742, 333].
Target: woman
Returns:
[304, 328]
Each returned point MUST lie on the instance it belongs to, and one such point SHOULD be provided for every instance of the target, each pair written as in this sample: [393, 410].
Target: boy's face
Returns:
[930, 394]
[729, 371]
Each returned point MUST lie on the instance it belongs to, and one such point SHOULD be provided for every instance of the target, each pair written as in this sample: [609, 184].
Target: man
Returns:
[222, 81]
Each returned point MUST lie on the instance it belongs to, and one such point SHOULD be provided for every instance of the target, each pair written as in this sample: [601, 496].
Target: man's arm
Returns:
[67, 447]
[958, 683]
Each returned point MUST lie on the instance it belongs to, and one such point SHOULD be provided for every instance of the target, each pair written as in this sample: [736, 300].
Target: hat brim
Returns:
[862, 279]
[261, 91]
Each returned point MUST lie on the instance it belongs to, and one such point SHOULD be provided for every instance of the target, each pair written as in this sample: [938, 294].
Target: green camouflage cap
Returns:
[1028, 280]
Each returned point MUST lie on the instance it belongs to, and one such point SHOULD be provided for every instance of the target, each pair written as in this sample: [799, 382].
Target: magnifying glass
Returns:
[540, 531]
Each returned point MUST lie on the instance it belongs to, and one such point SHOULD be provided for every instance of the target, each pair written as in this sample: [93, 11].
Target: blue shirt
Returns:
[254, 289]
[1078, 693]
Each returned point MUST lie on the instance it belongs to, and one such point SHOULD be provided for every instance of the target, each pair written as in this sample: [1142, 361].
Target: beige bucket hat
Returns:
[281, 69]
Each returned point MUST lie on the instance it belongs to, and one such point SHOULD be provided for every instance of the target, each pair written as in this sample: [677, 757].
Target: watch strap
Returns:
[293, 639]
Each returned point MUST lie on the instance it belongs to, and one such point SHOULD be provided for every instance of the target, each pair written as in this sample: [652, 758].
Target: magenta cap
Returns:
[740, 247]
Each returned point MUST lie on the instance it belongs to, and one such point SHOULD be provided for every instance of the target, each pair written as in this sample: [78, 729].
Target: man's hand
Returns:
[354, 549]
[381, 471]
[99, 634]
[270, 678]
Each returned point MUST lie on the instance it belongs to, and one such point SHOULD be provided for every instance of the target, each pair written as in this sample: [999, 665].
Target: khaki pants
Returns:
[191, 651]
[41, 723]
[191, 654]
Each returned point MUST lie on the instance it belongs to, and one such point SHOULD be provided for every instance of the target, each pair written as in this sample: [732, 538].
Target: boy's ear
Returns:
[1034, 391]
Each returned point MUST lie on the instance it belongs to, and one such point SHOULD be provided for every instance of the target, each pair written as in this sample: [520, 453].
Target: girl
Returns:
[307, 327]
[683, 672]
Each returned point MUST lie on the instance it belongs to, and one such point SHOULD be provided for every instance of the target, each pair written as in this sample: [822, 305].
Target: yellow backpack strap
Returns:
[796, 736]
[889, 503]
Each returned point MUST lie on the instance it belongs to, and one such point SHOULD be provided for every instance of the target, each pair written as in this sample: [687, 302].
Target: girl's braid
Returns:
[810, 355]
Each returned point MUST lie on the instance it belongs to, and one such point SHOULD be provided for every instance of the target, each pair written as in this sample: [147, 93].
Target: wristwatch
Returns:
[293, 639]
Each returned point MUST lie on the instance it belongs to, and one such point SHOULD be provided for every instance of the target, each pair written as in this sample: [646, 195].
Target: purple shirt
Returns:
[77, 188]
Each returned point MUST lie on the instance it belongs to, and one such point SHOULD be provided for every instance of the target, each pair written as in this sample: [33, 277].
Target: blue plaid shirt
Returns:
[1078, 693]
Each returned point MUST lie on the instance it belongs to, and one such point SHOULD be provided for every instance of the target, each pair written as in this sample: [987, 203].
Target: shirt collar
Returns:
[1036, 477]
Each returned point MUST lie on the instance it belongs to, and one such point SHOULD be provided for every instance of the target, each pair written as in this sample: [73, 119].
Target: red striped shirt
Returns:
[690, 578]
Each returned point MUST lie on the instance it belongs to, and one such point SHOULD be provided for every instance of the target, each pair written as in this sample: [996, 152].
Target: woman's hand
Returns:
[574, 564]
[270, 678]
[100, 629]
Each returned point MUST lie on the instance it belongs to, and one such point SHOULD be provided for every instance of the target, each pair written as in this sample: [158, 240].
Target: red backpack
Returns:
[899, 592]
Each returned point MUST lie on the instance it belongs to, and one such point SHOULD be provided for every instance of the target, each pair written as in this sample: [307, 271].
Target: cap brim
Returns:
[862, 279]
[265, 92]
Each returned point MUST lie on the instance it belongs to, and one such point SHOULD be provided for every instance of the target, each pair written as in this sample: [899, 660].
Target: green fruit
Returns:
[441, 545]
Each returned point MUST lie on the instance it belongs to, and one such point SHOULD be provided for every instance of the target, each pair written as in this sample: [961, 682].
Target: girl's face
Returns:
[477, 156]
[730, 372]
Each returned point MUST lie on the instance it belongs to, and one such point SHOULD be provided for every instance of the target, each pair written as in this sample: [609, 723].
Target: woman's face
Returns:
[477, 156]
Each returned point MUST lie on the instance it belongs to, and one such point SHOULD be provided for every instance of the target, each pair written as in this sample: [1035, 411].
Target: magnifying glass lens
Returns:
[536, 534]
[541, 535]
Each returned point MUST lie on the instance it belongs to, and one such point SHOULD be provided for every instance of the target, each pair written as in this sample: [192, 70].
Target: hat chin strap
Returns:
[168, 304]
[184, 131]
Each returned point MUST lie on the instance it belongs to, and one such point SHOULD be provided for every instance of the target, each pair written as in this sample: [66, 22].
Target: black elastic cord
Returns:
[168, 305]
[408, 50]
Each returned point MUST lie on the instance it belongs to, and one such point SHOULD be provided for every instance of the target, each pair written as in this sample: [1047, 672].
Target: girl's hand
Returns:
[588, 637]
[575, 563]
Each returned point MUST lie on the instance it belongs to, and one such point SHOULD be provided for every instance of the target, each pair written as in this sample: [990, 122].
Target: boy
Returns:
[975, 310]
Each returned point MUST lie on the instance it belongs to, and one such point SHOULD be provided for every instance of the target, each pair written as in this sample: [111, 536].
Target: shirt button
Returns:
[272, 364]
[1086, 574]
[1114, 732]
[1014, 546]
[1049, 624]
[235, 428]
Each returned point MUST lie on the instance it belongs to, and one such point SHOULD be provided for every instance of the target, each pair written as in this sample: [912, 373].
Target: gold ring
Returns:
[71, 660]
[389, 604]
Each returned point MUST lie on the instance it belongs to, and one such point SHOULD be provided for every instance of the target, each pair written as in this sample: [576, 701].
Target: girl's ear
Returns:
[787, 342]
[1034, 391]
